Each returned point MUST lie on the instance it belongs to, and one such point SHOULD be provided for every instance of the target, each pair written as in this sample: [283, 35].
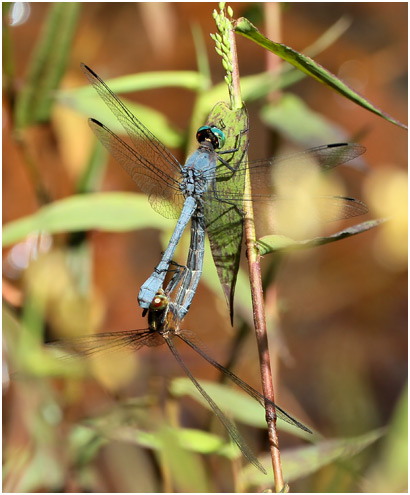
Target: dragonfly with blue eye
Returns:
[208, 185]
[164, 327]
[154, 169]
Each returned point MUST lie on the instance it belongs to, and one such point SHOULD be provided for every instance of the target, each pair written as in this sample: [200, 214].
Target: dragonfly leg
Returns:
[233, 151]
[179, 271]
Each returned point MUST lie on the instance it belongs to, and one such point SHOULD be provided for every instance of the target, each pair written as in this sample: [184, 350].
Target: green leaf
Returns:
[85, 101]
[240, 406]
[190, 439]
[297, 122]
[389, 473]
[224, 221]
[309, 67]
[272, 243]
[186, 470]
[91, 105]
[304, 461]
[190, 80]
[91, 178]
[47, 65]
[114, 212]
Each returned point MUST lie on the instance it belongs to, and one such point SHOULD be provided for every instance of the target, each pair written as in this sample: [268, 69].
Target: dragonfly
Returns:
[208, 184]
[154, 169]
[164, 327]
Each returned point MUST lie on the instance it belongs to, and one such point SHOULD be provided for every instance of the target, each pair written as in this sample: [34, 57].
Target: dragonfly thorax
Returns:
[195, 179]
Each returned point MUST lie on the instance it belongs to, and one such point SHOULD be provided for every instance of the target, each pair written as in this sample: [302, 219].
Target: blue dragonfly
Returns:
[208, 185]
[164, 327]
[154, 169]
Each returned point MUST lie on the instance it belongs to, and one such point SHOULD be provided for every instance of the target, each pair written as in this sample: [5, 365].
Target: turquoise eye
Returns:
[219, 135]
[211, 134]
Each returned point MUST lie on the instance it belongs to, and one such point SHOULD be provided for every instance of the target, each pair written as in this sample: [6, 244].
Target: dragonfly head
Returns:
[211, 135]
[158, 310]
[160, 301]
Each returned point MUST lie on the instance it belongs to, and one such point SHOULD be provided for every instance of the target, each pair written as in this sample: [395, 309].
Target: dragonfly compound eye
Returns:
[211, 134]
[219, 135]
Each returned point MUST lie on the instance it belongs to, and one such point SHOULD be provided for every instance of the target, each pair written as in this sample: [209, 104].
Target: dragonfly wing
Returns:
[89, 345]
[229, 426]
[340, 207]
[327, 156]
[292, 172]
[164, 200]
[150, 157]
[191, 339]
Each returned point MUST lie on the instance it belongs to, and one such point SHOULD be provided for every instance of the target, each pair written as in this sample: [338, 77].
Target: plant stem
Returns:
[257, 295]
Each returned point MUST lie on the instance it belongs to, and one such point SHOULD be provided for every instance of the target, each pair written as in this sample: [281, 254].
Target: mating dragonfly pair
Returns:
[209, 191]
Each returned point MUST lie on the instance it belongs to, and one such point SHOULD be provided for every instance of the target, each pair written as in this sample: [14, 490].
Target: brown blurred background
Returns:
[340, 349]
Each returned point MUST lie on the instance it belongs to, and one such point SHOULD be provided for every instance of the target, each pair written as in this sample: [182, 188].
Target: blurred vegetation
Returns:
[76, 251]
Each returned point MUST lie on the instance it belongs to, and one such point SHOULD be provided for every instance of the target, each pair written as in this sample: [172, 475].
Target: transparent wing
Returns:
[151, 160]
[164, 198]
[89, 345]
[282, 414]
[229, 426]
[325, 157]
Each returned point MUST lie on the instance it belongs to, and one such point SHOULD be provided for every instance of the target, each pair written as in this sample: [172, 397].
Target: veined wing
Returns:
[151, 158]
[328, 208]
[230, 427]
[326, 157]
[165, 198]
[89, 345]
[280, 413]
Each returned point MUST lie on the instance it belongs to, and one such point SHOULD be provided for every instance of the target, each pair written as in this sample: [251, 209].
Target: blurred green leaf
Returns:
[84, 444]
[296, 121]
[224, 222]
[271, 243]
[190, 80]
[115, 212]
[194, 440]
[201, 55]
[91, 178]
[7, 52]
[304, 461]
[85, 101]
[389, 473]
[47, 65]
[91, 105]
[328, 37]
[43, 471]
[241, 407]
[309, 67]
[188, 473]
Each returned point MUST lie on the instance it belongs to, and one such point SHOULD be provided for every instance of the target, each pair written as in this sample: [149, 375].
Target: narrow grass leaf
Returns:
[303, 461]
[114, 212]
[272, 243]
[47, 65]
[309, 67]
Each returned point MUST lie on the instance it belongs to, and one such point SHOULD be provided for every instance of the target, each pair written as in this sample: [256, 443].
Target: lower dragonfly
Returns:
[207, 182]
[164, 327]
